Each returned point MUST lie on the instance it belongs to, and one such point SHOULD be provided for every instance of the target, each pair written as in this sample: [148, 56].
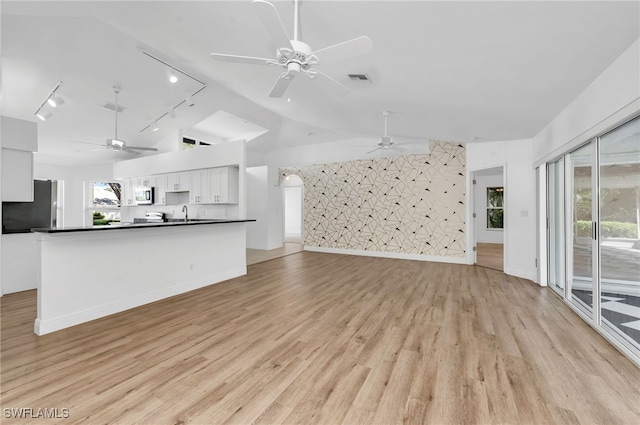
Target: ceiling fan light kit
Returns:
[51, 101]
[294, 55]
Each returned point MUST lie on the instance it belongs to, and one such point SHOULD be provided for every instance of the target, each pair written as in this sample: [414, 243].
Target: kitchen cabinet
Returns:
[160, 193]
[19, 139]
[17, 176]
[128, 191]
[200, 190]
[224, 183]
[178, 182]
[147, 181]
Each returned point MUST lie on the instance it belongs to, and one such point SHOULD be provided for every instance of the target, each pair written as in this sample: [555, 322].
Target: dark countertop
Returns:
[126, 226]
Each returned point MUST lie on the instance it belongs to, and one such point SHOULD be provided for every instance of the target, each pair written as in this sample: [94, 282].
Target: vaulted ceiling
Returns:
[450, 70]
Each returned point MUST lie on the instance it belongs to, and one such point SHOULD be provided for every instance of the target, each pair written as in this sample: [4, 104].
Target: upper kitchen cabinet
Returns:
[128, 191]
[178, 182]
[224, 185]
[200, 190]
[160, 195]
[19, 141]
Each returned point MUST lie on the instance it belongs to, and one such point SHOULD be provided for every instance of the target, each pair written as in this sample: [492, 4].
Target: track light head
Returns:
[173, 78]
[55, 101]
[43, 115]
[154, 126]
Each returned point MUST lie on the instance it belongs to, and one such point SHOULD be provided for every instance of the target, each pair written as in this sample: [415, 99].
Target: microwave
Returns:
[144, 196]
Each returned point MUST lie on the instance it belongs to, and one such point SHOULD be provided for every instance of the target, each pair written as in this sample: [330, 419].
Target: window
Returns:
[105, 203]
[495, 207]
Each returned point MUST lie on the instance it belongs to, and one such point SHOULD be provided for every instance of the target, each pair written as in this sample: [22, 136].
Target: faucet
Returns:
[185, 210]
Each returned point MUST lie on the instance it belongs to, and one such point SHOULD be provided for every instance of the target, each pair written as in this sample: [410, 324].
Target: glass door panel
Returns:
[580, 259]
[555, 225]
[620, 232]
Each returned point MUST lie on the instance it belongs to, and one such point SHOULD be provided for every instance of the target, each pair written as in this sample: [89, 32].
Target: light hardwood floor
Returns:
[316, 338]
[490, 255]
[255, 256]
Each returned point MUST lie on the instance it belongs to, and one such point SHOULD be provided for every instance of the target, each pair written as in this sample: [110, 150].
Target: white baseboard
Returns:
[397, 255]
[62, 322]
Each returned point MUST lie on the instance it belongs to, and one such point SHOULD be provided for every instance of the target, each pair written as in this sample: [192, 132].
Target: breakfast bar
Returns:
[91, 272]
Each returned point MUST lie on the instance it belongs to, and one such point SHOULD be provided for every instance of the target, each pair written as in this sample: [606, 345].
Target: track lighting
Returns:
[173, 74]
[173, 78]
[51, 101]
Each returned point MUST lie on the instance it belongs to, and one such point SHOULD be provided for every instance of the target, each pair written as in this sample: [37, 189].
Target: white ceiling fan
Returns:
[294, 55]
[387, 142]
[117, 144]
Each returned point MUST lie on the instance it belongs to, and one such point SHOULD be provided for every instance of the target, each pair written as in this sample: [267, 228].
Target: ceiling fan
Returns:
[115, 143]
[294, 55]
[387, 142]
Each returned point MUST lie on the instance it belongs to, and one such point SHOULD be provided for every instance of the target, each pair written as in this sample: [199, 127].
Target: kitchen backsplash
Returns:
[175, 211]
[413, 204]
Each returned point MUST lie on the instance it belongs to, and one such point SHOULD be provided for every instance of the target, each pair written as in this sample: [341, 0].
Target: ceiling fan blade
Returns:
[376, 149]
[272, 23]
[397, 148]
[86, 143]
[141, 148]
[242, 59]
[281, 85]
[345, 50]
[131, 151]
[337, 86]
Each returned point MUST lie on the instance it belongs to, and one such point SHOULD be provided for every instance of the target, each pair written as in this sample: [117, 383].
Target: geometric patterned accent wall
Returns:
[413, 204]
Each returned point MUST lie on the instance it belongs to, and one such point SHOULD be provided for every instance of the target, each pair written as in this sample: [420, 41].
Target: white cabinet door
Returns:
[128, 192]
[200, 189]
[224, 185]
[178, 182]
[160, 193]
[17, 175]
[148, 181]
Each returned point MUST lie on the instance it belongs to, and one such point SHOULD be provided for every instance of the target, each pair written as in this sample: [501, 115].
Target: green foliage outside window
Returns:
[495, 208]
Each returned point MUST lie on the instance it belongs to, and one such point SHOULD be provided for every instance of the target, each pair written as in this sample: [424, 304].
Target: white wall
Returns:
[484, 235]
[257, 207]
[611, 98]
[520, 199]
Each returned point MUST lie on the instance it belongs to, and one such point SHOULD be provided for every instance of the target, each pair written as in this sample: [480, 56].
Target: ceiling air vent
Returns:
[359, 77]
[110, 106]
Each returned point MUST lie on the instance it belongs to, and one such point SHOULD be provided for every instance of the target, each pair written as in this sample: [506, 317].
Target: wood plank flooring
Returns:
[490, 255]
[255, 256]
[316, 338]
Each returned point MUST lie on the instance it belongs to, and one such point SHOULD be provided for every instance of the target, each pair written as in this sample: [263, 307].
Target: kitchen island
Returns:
[91, 272]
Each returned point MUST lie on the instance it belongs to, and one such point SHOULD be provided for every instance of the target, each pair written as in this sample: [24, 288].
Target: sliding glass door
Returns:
[593, 228]
[620, 232]
[581, 265]
[555, 225]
